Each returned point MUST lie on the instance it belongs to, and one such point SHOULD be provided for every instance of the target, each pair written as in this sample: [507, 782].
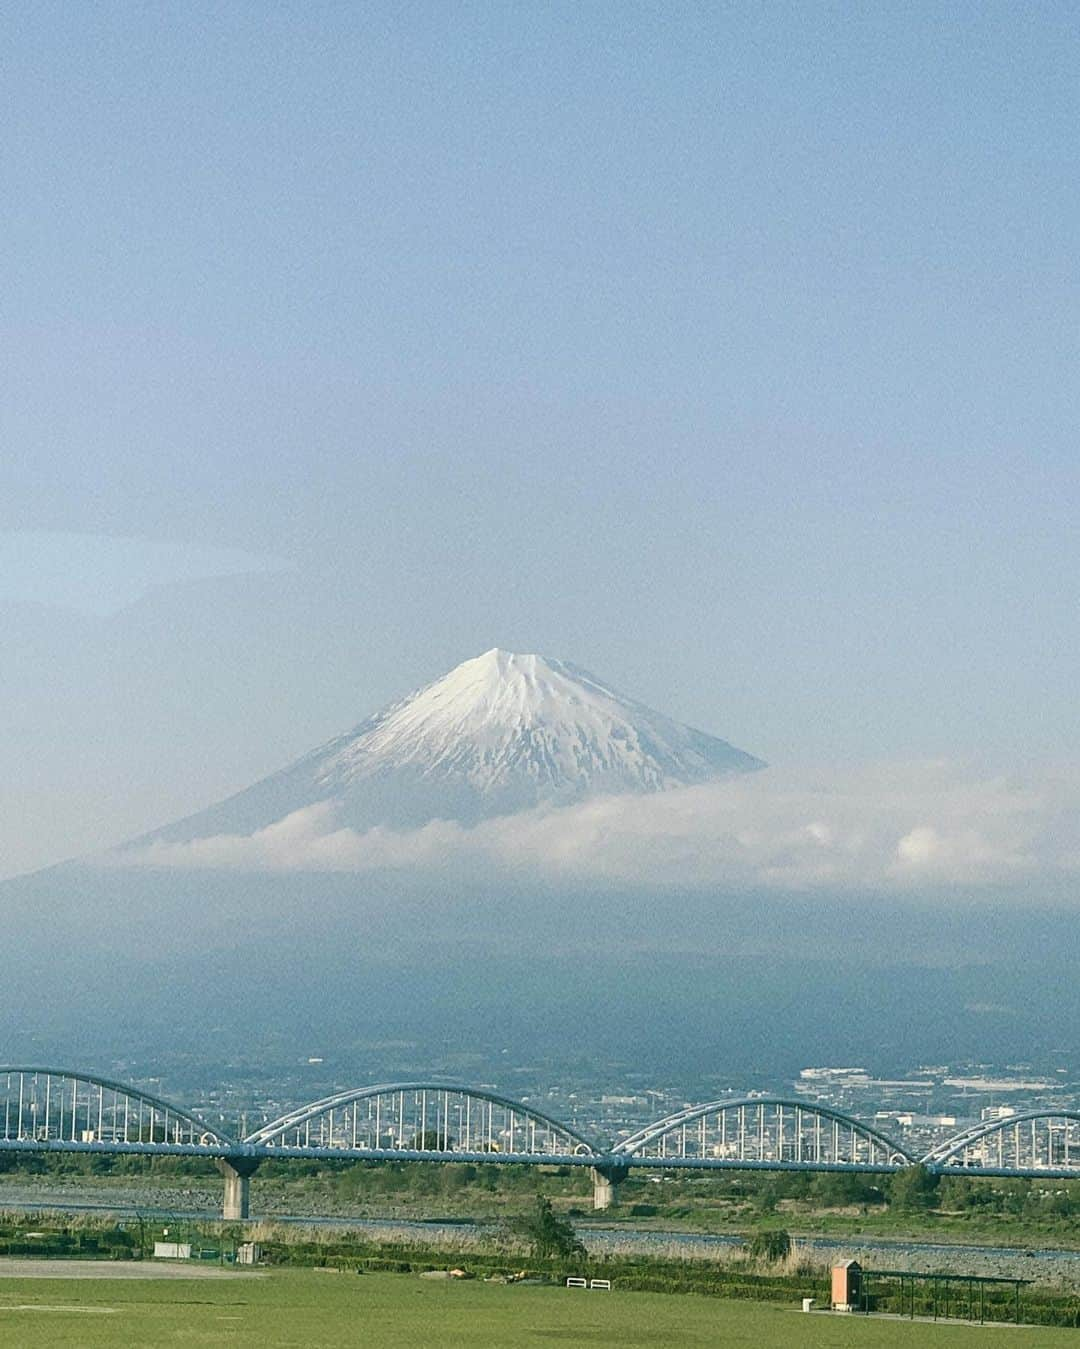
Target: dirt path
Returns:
[15, 1268]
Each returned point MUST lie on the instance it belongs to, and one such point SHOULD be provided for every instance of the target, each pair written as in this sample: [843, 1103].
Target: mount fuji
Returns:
[500, 733]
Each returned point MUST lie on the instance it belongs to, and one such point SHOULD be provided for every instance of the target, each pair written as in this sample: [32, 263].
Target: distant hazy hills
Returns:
[500, 733]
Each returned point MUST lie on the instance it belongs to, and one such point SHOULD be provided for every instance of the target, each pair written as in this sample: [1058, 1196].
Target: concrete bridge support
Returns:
[605, 1179]
[237, 1172]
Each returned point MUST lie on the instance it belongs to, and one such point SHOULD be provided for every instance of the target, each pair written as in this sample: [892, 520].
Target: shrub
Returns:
[772, 1244]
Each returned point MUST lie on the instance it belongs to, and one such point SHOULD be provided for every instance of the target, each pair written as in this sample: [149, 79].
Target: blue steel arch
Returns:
[944, 1153]
[895, 1155]
[299, 1118]
[122, 1090]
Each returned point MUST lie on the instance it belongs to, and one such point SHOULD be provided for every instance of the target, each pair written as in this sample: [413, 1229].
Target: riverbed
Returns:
[1049, 1266]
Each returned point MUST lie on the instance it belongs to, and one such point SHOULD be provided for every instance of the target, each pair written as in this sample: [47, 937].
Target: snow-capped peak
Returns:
[502, 719]
[499, 733]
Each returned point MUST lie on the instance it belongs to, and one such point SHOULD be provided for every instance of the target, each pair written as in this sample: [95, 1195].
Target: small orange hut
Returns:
[846, 1286]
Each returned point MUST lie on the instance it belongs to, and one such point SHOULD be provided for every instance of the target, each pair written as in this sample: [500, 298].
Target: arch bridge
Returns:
[764, 1132]
[438, 1121]
[1036, 1143]
[56, 1109]
[45, 1109]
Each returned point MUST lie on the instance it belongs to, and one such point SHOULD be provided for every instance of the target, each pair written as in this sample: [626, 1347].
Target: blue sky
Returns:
[730, 351]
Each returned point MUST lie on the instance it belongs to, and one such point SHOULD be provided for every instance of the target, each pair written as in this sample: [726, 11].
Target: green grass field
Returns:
[308, 1308]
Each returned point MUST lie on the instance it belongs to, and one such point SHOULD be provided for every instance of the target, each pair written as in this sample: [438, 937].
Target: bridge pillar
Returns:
[604, 1180]
[237, 1172]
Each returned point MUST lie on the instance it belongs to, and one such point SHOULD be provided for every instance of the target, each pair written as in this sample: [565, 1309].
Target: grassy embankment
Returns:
[314, 1310]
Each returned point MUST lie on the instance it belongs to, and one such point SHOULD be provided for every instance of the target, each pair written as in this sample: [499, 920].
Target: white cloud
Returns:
[899, 827]
[99, 574]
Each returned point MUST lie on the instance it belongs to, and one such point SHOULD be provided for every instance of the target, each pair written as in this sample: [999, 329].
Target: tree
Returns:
[913, 1190]
[547, 1232]
[842, 1188]
[431, 1140]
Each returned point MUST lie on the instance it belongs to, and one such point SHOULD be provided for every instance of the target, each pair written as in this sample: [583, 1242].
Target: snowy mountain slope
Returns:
[499, 733]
